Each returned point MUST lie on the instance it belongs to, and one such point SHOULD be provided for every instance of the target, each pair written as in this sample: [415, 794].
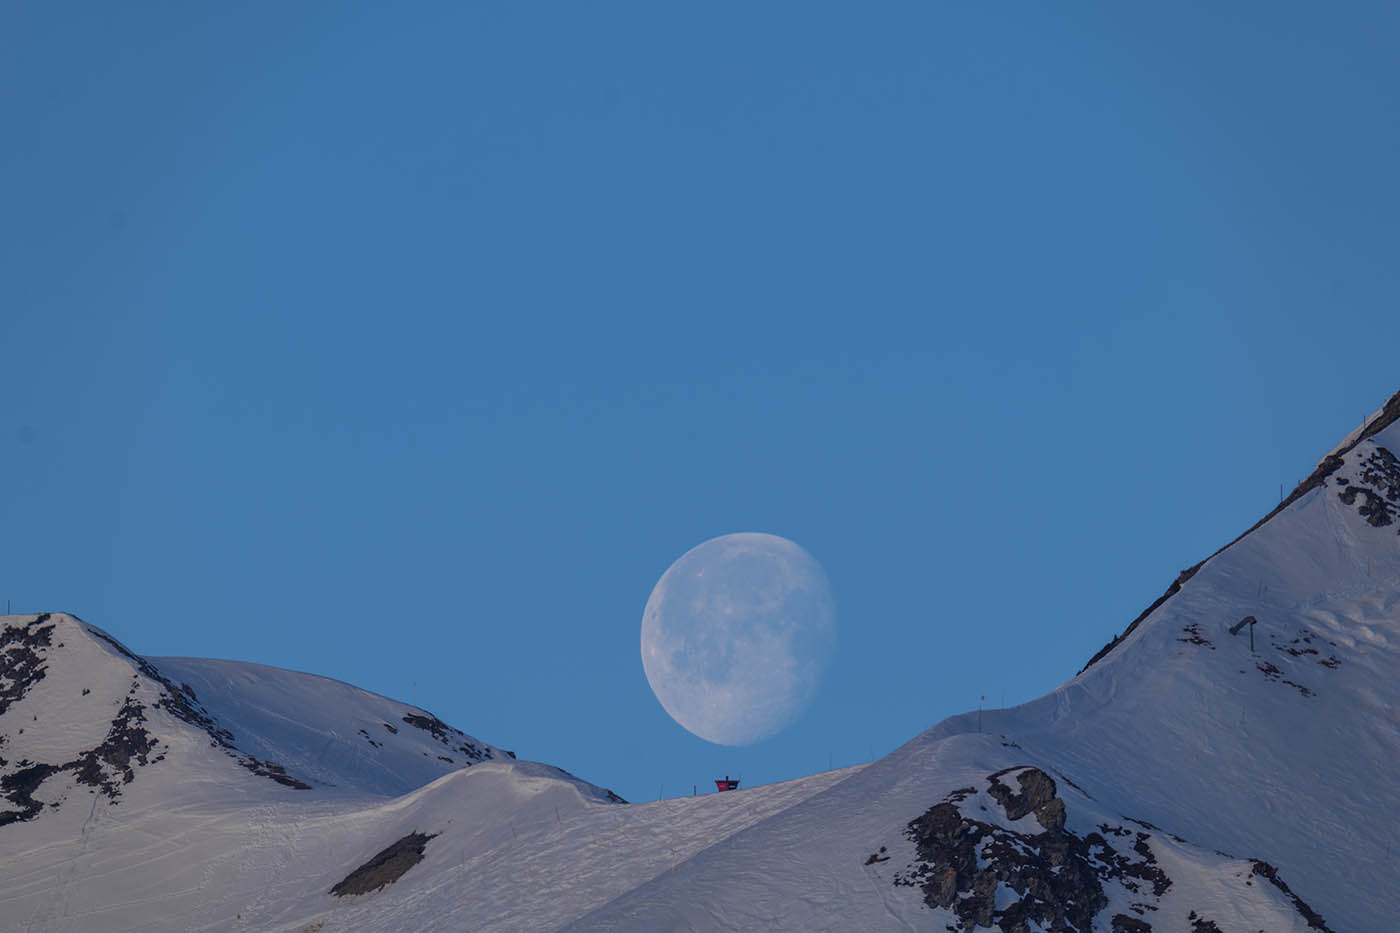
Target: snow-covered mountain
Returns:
[1182, 781]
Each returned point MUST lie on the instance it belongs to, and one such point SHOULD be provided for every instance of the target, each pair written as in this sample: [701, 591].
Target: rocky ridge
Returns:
[1016, 866]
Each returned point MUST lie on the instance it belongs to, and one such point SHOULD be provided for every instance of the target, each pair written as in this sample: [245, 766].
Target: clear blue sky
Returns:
[409, 345]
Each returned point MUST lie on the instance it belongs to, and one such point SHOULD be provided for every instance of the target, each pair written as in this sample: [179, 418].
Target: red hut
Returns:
[726, 783]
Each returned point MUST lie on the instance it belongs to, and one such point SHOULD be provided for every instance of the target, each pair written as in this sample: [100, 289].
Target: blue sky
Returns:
[410, 346]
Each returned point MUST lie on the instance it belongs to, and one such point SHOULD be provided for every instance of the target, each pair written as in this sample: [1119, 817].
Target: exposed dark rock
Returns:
[1268, 872]
[877, 857]
[1378, 486]
[430, 724]
[127, 741]
[1037, 796]
[961, 861]
[104, 768]
[21, 658]
[386, 867]
[454, 739]
[272, 770]
[174, 699]
[1191, 635]
[1202, 925]
[1135, 875]
[19, 788]
[1058, 877]
[1272, 672]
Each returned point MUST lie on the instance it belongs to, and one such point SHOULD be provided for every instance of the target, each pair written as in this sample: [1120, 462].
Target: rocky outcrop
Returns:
[1025, 869]
[1376, 490]
[385, 867]
[451, 738]
[962, 861]
[104, 768]
[22, 658]
[1270, 874]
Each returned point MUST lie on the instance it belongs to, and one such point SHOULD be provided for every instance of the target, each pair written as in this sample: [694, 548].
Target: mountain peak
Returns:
[79, 711]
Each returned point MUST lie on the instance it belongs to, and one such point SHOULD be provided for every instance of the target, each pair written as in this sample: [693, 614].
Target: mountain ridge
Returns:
[1378, 421]
[1193, 776]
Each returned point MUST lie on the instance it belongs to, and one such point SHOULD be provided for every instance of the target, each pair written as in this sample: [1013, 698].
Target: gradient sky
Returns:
[410, 345]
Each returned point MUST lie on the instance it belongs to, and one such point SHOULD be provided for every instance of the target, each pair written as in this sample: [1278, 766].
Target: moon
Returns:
[736, 636]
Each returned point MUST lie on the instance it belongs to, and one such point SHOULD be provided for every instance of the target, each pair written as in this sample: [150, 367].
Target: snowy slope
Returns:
[187, 794]
[1180, 782]
[1286, 755]
[73, 681]
[327, 732]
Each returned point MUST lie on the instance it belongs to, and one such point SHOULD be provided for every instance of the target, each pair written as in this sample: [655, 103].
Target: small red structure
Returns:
[727, 783]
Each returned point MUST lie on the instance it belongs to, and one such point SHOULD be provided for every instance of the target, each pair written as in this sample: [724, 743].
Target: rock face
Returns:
[962, 861]
[1376, 490]
[1037, 796]
[452, 739]
[386, 867]
[22, 659]
[989, 872]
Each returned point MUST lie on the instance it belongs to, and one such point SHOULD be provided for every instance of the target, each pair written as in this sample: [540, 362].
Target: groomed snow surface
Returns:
[1180, 780]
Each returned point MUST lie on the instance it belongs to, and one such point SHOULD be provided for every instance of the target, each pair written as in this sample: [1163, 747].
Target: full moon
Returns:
[736, 636]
